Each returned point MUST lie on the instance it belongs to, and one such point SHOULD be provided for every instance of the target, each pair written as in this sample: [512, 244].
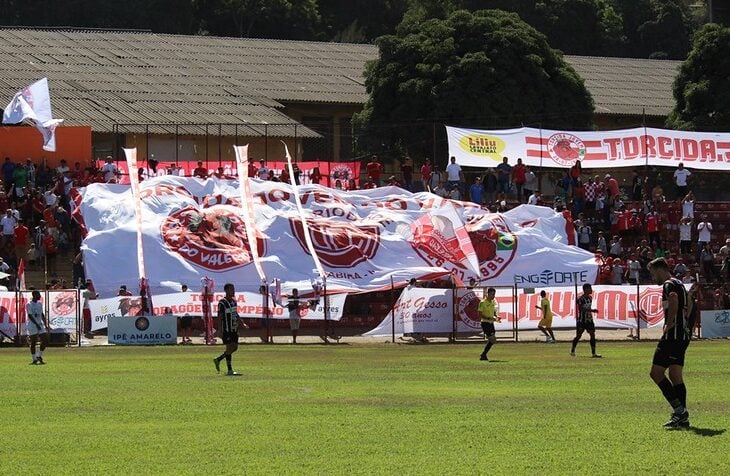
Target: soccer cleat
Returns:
[572, 353]
[217, 364]
[677, 421]
[551, 341]
[483, 357]
[35, 362]
[596, 356]
[40, 361]
[233, 373]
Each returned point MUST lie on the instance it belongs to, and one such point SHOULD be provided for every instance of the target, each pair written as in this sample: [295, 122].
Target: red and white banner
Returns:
[61, 311]
[250, 306]
[427, 310]
[332, 172]
[364, 238]
[595, 149]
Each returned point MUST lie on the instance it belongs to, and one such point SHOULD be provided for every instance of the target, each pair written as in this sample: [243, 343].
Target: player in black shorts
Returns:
[673, 344]
[228, 315]
[585, 320]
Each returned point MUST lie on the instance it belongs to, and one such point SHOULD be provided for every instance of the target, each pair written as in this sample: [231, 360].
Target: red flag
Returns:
[21, 276]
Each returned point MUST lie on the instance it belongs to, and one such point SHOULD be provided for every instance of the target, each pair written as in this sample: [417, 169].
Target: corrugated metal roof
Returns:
[628, 86]
[117, 76]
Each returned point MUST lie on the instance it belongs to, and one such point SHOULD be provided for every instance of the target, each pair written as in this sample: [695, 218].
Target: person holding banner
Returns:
[37, 327]
[585, 320]
[228, 316]
[672, 346]
[489, 312]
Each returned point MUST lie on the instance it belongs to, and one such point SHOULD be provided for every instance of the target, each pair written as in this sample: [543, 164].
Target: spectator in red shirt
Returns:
[252, 169]
[200, 171]
[652, 227]
[426, 173]
[519, 172]
[374, 168]
[22, 241]
[315, 176]
[406, 170]
[579, 196]
[575, 171]
[612, 187]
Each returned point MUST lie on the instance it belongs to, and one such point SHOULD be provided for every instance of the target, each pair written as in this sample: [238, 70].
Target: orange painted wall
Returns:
[73, 143]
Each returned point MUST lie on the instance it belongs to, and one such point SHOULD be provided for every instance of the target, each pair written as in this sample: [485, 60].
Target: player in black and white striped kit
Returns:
[228, 316]
[673, 344]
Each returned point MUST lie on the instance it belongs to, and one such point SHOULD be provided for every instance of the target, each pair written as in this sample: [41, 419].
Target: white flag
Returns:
[33, 105]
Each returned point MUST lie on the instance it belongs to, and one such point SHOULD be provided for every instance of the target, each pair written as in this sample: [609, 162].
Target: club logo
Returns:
[650, 302]
[565, 149]
[142, 323]
[338, 244]
[434, 239]
[212, 238]
[130, 306]
[468, 307]
[495, 245]
[64, 304]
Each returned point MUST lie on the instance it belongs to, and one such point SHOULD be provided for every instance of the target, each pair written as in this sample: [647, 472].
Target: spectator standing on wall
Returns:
[637, 186]
[681, 178]
[263, 171]
[504, 171]
[531, 183]
[436, 178]
[454, 175]
[489, 182]
[374, 169]
[725, 260]
[426, 173]
[519, 177]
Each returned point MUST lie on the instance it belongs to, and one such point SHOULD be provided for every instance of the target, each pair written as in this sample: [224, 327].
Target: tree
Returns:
[360, 21]
[487, 68]
[281, 19]
[702, 88]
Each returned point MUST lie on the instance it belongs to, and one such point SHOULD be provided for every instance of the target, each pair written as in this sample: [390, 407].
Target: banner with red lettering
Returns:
[333, 173]
[249, 305]
[595, 149]
[427, 310]
[365, 239]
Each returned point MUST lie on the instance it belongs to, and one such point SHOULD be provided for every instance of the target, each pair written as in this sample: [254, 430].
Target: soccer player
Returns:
[585, 320]
[673, 344]
[228, 315]
[546, 323]
[489, 312]
[37, 327]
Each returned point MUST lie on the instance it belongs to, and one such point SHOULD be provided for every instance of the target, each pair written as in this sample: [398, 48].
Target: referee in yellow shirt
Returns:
[489, 312]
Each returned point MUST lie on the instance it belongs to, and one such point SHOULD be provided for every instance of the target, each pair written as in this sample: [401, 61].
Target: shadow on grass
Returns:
[492, 361]
[706, 431]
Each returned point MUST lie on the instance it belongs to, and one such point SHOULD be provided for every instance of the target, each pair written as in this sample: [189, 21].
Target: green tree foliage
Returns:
[702, 88]
[360, 21]
[487, 68]
[281, 19]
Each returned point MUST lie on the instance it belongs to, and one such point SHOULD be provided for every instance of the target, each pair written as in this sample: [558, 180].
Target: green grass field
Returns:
[360, 409]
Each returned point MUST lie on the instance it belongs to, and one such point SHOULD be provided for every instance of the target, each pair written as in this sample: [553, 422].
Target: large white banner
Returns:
[143, 330]
[33, 104]
[595, 149]
[427, 310]
[715, 323]
[365, 239]
[249, 305]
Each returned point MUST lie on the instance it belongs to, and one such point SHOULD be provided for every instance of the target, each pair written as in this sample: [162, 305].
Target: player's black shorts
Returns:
[586, 326]
[230, 337]
[488, 329]
[186, 321]
[670, 352]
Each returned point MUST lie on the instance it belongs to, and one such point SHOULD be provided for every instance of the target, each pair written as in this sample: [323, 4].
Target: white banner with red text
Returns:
[595, 149]
[249, 306]
[366, 240]
[428, 310]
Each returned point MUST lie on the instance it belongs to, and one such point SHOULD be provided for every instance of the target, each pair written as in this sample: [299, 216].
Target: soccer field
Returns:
[361, 409]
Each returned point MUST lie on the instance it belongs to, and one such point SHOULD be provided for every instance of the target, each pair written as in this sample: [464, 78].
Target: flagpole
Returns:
[249, 218]
[144, 287]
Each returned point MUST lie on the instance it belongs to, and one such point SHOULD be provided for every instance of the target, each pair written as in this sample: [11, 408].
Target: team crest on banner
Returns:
[566, 148]
[339, 244]
[468, 307]
[650, 301]
[213, 238]
[494, 243]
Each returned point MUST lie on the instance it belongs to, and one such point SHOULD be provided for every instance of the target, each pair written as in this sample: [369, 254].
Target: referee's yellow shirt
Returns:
[488, 310]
